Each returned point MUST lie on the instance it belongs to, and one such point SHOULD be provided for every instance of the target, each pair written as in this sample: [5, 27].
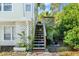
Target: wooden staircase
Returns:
[39, 43]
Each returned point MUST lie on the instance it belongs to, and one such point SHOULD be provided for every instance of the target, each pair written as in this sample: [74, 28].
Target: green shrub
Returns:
[22, 44]
[61, 49]
[72, 38]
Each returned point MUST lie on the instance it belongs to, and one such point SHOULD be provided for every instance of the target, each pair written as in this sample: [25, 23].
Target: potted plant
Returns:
[21, 43]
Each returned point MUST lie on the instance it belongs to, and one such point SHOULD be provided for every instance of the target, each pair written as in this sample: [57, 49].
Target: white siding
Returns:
[1, 33]
[18, 13]
[14, 18]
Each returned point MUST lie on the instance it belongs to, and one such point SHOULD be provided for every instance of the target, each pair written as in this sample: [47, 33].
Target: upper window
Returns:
[28, 7]
[7, 7]
[0, 6]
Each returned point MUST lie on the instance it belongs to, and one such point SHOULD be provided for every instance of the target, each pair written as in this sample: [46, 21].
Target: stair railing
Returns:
[44, 33]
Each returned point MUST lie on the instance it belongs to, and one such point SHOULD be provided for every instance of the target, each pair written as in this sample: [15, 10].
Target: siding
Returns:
[18, 13]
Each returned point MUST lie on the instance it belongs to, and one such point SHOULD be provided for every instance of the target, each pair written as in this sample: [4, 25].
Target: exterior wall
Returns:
[18, 13]
[2, 41]
[19, 27]
[17, 18]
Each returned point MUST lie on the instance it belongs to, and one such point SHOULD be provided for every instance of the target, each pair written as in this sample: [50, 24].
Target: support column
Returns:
[27, 35]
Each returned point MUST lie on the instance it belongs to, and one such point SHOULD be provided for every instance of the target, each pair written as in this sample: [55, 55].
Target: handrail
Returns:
[44, 28]
[44, 33]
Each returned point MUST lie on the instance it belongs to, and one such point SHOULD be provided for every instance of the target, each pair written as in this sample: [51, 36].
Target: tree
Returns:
[49, 21]
[68, 24]
[38, 6]
[54, 8]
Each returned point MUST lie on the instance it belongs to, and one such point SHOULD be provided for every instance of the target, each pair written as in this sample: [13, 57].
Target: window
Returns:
[0, 6]
[7, 33]
[7, 7]
[28, 7]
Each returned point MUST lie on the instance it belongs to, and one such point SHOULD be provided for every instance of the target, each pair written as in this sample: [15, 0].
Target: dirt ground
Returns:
[28, 54]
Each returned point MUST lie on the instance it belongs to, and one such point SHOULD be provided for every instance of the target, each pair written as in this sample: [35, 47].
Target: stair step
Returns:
[39, 40]
[38, 44]
[39, 25]
[39, 34]
[38, 48]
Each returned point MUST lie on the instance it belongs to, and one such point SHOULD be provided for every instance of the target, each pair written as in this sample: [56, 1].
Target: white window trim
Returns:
[25, 7]
[10, 32]
[2, 8]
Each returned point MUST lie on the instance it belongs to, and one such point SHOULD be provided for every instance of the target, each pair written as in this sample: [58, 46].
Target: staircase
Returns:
[39, 41]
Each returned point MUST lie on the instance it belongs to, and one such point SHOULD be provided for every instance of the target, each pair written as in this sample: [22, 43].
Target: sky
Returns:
[47, 6]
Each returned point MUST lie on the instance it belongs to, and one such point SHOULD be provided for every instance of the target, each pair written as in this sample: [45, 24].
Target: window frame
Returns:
[7, 4]
[28, 6]
[11, 29]
[0, 6]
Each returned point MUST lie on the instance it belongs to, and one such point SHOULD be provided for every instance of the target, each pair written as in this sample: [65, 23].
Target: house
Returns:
[15, 18]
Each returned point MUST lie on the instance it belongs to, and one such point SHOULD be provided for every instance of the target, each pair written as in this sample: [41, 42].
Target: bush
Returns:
[72, 38]
[61, 49]
[68, 22]
[67, 18]
[22, 45]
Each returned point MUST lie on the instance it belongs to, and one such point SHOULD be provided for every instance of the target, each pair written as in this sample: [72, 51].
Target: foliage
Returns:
[61, 49]
[49, 23]
[54, 7]
[38, 6]
[67, 22]
[51, 29]
[30, 37]
[68, 18]
[22, 40]
[72, 38]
